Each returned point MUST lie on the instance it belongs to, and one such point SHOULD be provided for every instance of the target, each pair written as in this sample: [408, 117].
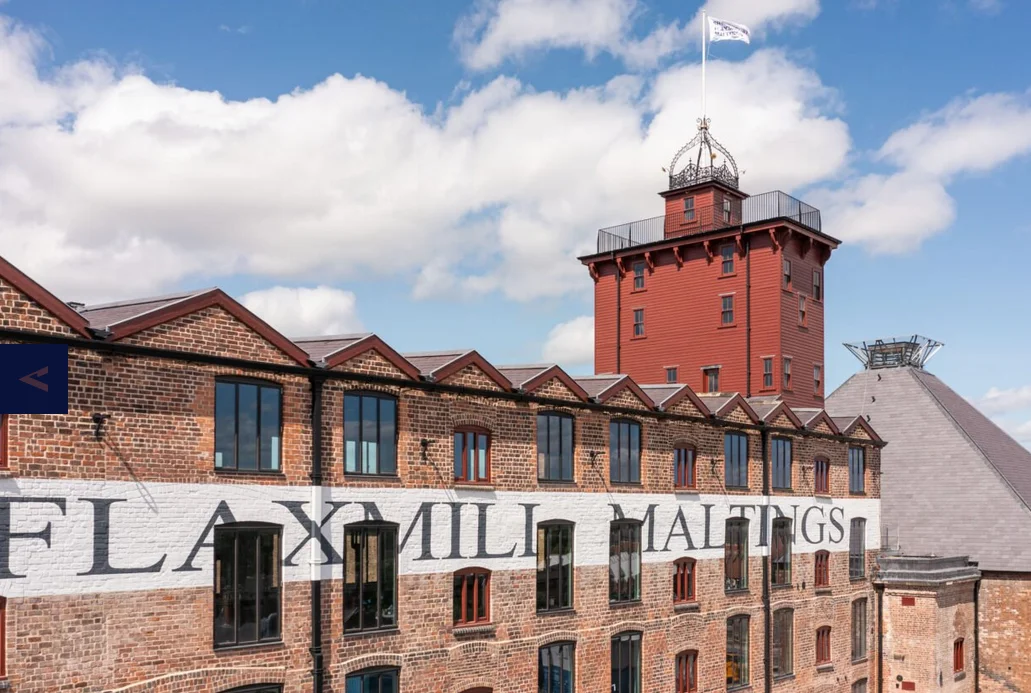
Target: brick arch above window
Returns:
[370, 661]
[638, 627]
[557, 636]
[472, 420]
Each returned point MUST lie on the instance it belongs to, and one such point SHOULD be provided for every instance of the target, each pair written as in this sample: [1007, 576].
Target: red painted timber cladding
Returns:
[682, 309]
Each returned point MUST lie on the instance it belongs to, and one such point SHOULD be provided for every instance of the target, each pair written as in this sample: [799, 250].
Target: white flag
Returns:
[720, 30]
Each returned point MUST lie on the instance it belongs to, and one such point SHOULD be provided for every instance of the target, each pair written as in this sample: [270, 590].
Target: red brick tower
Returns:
[723, 292]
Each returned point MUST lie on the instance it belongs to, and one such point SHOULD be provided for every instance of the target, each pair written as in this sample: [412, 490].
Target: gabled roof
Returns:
[768, 411]
[127, 318]
[439, 365]
[953, 482]
[53, 305]
[666, 396]
[530, 378]
[330, 352]
[602, 388]
[811, 418]
[723, 404]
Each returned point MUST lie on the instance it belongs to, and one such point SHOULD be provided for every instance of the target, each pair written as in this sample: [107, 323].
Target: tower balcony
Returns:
[769, 206]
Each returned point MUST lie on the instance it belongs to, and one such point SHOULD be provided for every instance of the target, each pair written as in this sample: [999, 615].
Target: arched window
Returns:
[554, 566]
[260, 688]
[370, 576]
[683, 580]
[472, 455]
[822, 569]
[821, 475]
[555, 446]
[373, 681]
[624, 561]
[687, 672]
[556, 668]
[737, 651]
[472, 596]
[957, 656]
[735, 555]
[626, 663]
[823, 645]
[684, 475]
[247, 584]
[624, 451]
[370, 433]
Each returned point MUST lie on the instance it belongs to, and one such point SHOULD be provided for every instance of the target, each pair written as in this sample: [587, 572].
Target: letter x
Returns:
[296, 509]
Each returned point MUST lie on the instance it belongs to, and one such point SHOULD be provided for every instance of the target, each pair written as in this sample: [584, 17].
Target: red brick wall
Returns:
[1005, 606]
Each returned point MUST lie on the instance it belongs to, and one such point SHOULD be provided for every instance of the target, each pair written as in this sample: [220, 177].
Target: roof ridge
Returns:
[332, 337]
[542, 366]
[442, 352]
[166, 304]
[147, 299]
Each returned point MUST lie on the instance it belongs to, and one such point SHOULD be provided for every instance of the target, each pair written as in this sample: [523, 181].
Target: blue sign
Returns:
[33, 379]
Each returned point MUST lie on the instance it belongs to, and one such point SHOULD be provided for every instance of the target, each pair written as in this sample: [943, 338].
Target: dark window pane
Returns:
[247, 431]
[353, 568]
[554, 449]
[270, 445]
[247, 586]
[542, 446]
[459, 455]
[268, 577]
[369, 450]
[567, 448]
[225, 425]
[352, 437]
[387, 436]
[225, 592]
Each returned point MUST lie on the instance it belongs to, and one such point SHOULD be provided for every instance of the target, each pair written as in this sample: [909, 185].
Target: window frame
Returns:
[856, 469]
[786, 373]
[726, 258]
[860, 686]
[727, 314]
[727, 210]
[857, 561]
[685, 466]
[821, 475]
[822, 569]
[785, 269]
[236, 382]
[817, 378]
[744, 674]
[859, 630]
[789, 645]
[958, 656]
[817, 285]
[365, 528]
[802, 311]
[542, 576]
[685, 668]
[616, 446]
[625, 589]
[371, 671]
[767, 373]
[476, 432]
[467, 575]
[672, 371]
[684, 577]
[360, 464]
[689, 210]
[548, 455]
[634, 643]
[638, 325]
[638, 271]
[780, 561]
[236, 529]
[732, 465]
[709, 375]
[735, 553]
[823, 646]
[560, 644]
[781, 468]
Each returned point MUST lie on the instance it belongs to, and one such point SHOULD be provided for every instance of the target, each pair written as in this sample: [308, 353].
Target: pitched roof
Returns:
[596, 385]
[429, 362]
[952, 481]
[320, 348]
[102, 316]
[520, 375]
[439, 365]
[28, 286]
[330, 352]
[661, 393]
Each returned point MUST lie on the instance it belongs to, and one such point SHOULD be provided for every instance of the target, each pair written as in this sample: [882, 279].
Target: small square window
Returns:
[768, 373]
[727, 257]
[671, 374]
[688, 209]
[639, 322]
[712, 379]
[727, 312]
[787, 273]
[787, 372]
[638, 276]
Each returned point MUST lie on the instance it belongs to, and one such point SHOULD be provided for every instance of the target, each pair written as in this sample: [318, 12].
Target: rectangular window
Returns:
[555, 447]
[688, 209]
[472, 456]
[821, 475]
[555, 668]
[639, 322]
[638, 276]
[370, 577]
[372, 681]
[687, 672]
[857, 549]
[801, 310]
[859, 686]
[726, 210]
[856, 470]
[247, 584]
[683, 580]
[780, 552]
[471, 598]
[727, 314]
[671, 375]
[625, 452]
[957, 656]
[817, 286]
[727, 257]
[554, 567]
[624, 561]
[247, 426]
[735, 555]
[684, 467]
[822, 569]
[787, 372]
[858, 630]
[735, 459]
[626, 663]
[711, 377]
[781, 455]
[370, 434]
[783, 643]
[817, 379]
[823, 645]
[787, 273]
[737, 651]
[767, 373]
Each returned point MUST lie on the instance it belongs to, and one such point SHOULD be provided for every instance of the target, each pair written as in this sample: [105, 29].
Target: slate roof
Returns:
[429, 362]
[953, 482]
[660, 393]
[595, 385]
[320, 348]
[103, 315]
[520, 375]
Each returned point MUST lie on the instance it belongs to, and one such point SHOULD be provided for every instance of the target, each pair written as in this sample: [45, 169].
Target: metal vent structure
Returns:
[895, 352]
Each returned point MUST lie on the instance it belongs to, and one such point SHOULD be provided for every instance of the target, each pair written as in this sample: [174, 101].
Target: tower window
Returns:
[711, 377]
[727, 315]
[817, 379]
[767, 373]
[787, 273]
[801, 310]
[671, 374]
[727, 256]
[638, 276]
[639, 322]
[787, 372]
[817, 286]
[688, 209]
[726, 210]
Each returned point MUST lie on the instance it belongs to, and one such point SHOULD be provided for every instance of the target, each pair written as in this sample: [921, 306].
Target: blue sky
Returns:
[429, 171]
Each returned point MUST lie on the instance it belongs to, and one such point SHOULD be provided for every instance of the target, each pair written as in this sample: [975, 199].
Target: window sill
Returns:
[960, 675]
[687, 490]
[786, 488]
[556, 482]
[779, 587]
[822, 494]
[625, 603]
[784, 677]
[737, 592]
[567, 611]
[270, 644]
[625, 483]
[736, 488]
[741, 687]
[372, 477]
[727, 326]
[372, 633]
[856, 580]
[857, 493]
[467, 486]
[473, 629]
[638, 338]
[823, 590]
[687, 607]
[250, 472]
[861, 660]
[824, 668]
[638, 291]
[729, 274]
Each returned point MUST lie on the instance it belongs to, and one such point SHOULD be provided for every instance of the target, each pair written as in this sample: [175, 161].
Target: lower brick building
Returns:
[225, 509]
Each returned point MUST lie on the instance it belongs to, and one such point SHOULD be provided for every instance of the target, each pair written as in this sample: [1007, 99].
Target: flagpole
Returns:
[704, 27]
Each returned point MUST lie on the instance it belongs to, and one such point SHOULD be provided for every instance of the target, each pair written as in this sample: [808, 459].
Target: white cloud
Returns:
[1005, 400]
[988, 6]
[571, 344]
[242, 29]
[112, 185]
[301, 311]
[500, 30]
[896, 212]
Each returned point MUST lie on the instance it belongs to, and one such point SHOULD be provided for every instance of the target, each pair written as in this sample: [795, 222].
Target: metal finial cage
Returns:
[694, 171]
